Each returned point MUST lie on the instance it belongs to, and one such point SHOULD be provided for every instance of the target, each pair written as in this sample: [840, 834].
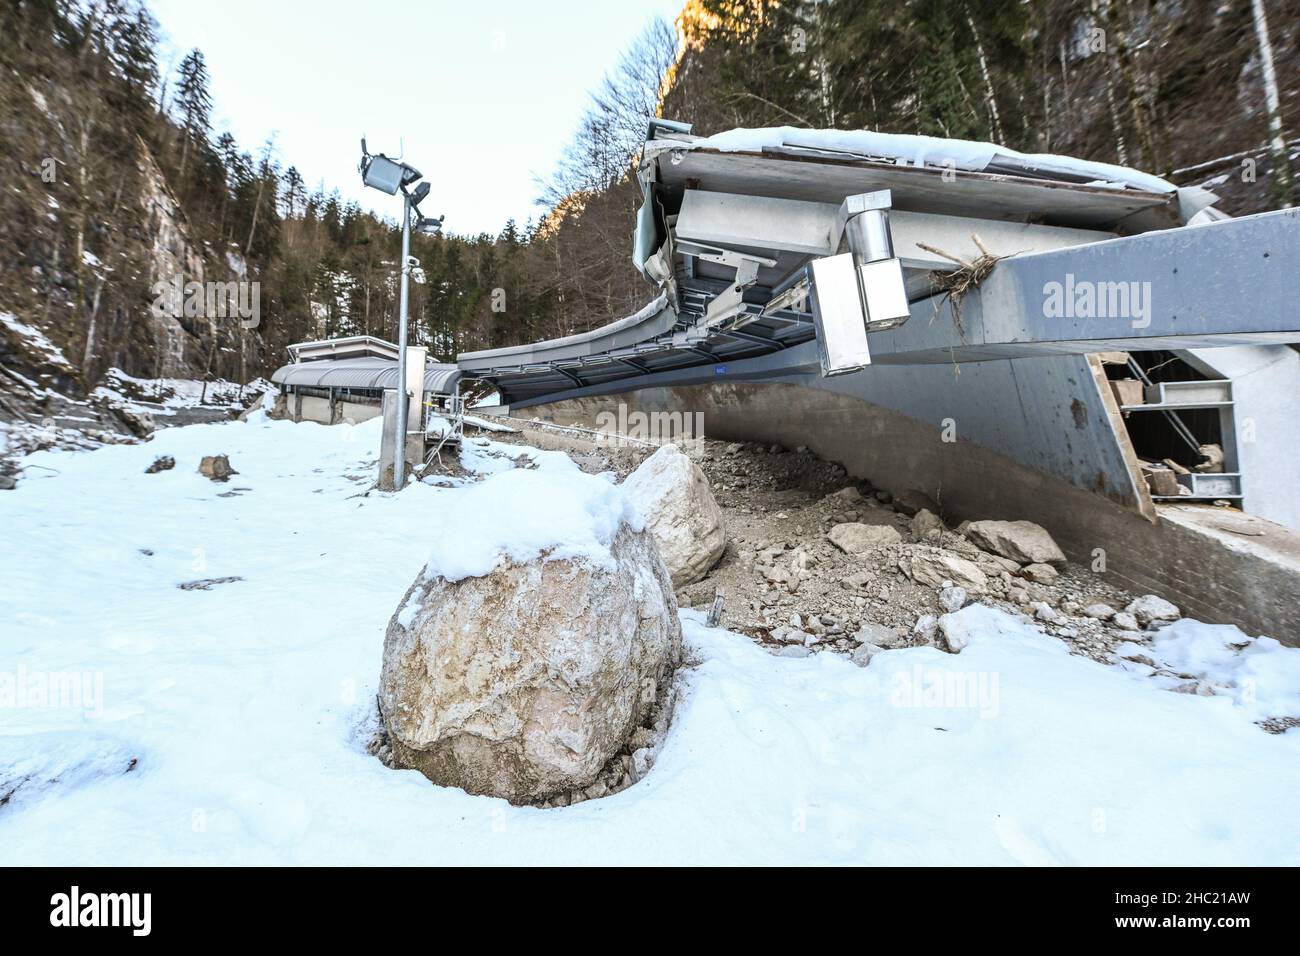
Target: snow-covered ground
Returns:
[227, 722]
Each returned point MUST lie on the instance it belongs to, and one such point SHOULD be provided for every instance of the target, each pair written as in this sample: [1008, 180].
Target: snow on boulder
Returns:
[854, 537]
[674, 497]
[534, 642]
[1021, 541]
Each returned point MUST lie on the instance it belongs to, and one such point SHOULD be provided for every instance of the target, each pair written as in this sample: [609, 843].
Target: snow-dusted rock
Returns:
[1046, 613]
[1150, 608]
[674, 497]
[952, 599]
[853, 537]
[939, 568]
[524, 681]
[1021, 541]
[952, 634]
[863, 653]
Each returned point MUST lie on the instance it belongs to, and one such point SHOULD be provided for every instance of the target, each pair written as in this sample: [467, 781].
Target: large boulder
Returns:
[673, 495]
[1021, 541]
[522, 682]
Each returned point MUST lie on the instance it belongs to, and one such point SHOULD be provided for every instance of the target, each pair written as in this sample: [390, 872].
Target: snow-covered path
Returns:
[244, 706]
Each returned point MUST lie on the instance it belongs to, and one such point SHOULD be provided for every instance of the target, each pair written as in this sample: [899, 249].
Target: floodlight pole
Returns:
[403, 402]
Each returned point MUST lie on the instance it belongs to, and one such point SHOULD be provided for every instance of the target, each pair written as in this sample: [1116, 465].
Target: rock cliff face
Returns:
[179, 351]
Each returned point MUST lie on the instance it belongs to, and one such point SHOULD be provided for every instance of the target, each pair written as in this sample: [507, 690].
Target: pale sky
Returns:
[482, 95]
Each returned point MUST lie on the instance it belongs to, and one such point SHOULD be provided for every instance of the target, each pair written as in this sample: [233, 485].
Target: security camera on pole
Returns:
[389, 175]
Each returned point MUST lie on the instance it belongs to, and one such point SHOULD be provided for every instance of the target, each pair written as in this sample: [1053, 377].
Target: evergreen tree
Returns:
[195, 103]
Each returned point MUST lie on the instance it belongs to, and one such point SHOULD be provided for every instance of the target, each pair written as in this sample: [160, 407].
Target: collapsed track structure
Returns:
[1011, 334]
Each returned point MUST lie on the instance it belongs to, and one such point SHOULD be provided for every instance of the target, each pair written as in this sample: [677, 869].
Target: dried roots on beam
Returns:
[967, 275]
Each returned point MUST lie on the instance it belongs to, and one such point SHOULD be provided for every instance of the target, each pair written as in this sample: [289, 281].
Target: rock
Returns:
[1040, 573]
[1150, 608]
[856, 538]
[8, 483]
[138, 420]
[673, 496]
[1046, 613]
[951, 635]
[992, 564]
[925, 627]
[1021, 541]
[216, 467]
[1213, 455]
[937, 568]
[793, 650]
[912, 502]
[879, 635]
[859, 579]
[642, 758]
[846, 496]
[524, 682]
[1099, 612]
[924, 522]
[164, 463]
[1125, 621]
[863, 654]
[952, 599]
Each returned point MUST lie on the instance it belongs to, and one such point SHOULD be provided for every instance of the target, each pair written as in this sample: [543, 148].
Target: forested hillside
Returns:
[113, 177]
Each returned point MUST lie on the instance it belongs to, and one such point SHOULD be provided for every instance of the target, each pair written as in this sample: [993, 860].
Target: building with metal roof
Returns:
[345, 379]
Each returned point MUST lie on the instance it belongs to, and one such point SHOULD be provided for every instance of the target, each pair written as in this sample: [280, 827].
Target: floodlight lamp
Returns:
[417, 196]
[380, 172]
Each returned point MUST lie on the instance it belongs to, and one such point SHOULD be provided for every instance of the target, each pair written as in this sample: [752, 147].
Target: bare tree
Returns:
[1276, 137]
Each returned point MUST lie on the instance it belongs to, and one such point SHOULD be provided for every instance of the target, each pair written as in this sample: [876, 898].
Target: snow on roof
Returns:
[905, 148]
[366, 372]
